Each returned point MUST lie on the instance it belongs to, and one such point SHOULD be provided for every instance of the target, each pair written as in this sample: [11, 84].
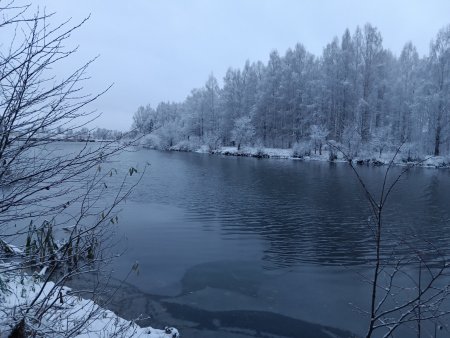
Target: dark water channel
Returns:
[241, 247]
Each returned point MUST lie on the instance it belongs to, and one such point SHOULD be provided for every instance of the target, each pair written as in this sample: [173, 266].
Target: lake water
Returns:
[241, 247]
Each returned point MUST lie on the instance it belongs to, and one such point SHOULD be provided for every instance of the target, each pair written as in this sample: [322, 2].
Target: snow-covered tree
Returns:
[354, 89]
[144, 119]
[351, 139]
[318, 136]
[243, 131]
[440, 89]
[381, 140]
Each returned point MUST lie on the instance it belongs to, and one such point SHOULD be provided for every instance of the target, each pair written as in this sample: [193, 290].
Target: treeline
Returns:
[81, 134]
[356, 93]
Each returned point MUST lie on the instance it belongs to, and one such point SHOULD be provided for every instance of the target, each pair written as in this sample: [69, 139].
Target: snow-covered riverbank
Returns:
[66, 314]
[402, 159]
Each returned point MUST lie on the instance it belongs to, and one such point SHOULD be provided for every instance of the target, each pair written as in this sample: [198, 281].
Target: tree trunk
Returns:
[437, 141]
[437, 137]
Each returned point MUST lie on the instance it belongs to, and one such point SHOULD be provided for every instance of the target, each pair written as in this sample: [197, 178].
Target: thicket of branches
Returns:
[357, 93]
[55, 218]
[408, 275]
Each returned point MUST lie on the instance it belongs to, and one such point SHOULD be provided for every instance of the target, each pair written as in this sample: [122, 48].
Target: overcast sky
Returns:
[158, 50]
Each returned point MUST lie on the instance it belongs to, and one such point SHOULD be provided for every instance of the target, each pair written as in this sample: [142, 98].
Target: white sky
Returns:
[158, 50]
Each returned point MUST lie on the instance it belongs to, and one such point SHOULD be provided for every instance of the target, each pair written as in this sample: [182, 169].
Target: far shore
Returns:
[429, 161]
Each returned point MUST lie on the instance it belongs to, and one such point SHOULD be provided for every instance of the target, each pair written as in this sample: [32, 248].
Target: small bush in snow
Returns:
[301, 149]
[151, 141]
[410, 153]
[187, 145]
[212, 142]
[260, 151]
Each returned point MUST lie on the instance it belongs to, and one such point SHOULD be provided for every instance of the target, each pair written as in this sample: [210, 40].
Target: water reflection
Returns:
[196, 221]
[303, 211]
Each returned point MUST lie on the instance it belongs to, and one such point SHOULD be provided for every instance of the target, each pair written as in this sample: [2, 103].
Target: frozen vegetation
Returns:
[67, 314]
[357, 95]
[356, 102]
[46, 190]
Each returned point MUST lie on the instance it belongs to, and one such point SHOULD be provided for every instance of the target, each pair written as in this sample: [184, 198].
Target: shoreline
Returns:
[18, 290]
[431, 162]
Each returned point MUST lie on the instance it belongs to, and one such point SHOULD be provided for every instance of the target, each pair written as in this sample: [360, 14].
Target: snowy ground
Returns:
[365, 159]
[66, 313]
[256, 152]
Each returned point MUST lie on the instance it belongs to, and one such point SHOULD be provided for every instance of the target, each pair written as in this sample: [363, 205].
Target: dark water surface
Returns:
[241, 247]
